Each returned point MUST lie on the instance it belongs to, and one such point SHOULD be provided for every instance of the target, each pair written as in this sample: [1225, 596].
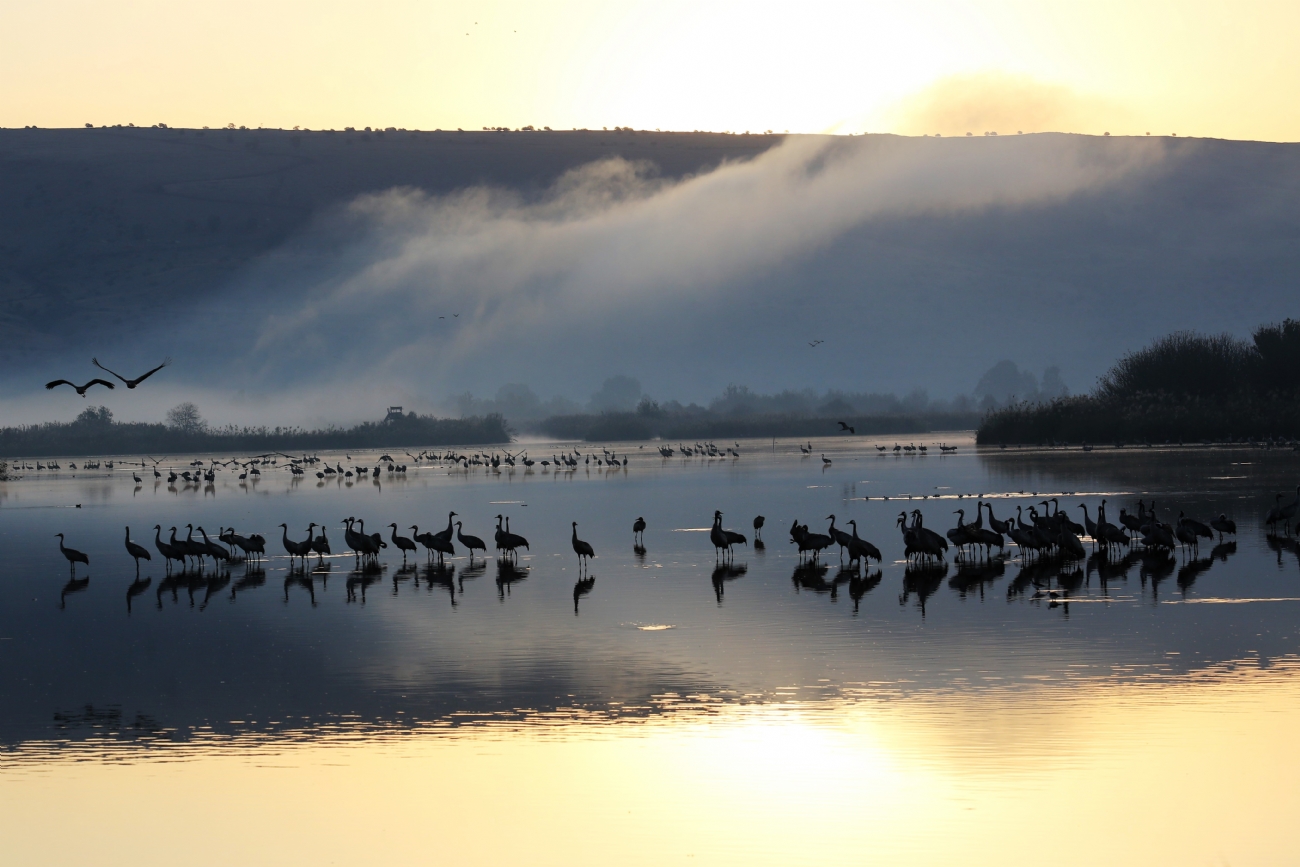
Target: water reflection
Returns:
[251, 579]
[137, 587]
[1190, 571]
[860, 587]
[509, 574]
[723, 573]
[359, 580]
[922, 579]
[1155, 566]
[74, 585]
[975, 576]
[300, 579]
[441, 575]
[581, 588]
[818, 703]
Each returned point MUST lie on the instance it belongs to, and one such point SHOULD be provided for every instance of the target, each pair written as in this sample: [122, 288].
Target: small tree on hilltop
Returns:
[185, 418]
[95, 416]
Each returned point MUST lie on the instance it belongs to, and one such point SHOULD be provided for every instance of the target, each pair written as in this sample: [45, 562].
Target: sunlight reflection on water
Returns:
[675, 708]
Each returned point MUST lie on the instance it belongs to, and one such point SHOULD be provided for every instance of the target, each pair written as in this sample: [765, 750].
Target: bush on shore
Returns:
[1184, 386]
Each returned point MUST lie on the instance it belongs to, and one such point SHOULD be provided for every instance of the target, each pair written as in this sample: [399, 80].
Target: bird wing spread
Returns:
[95, 361]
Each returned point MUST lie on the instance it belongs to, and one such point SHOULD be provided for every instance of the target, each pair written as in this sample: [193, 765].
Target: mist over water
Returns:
[688, 285]
[920, 263]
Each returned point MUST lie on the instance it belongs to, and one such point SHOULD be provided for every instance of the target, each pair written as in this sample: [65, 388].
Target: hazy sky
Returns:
[1191, 68]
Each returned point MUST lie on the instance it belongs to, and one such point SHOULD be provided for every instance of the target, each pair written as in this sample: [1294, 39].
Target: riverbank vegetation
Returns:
[94, 432]
[1183, 387]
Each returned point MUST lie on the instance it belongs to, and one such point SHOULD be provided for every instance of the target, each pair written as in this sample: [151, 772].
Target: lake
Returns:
[1138, 708]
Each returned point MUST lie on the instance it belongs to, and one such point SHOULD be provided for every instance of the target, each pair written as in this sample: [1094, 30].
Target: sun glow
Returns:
[942, 67]
[997, 772]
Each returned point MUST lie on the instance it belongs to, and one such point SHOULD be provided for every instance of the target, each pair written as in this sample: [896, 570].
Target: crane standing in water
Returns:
[581, 548]
[74, 556]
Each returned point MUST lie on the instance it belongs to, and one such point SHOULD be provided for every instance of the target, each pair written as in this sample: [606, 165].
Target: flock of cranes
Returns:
[1051, 533]
[365, 547]
[129, 383]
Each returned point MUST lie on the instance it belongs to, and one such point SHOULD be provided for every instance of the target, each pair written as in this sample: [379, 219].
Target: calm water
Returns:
[671, 711]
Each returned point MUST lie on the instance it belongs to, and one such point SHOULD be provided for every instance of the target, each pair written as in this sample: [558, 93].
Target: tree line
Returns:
[95, 432]
[1184, 386]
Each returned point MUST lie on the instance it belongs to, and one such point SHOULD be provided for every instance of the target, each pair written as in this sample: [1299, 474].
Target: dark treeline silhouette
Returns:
[1185, 386]
[95, 432]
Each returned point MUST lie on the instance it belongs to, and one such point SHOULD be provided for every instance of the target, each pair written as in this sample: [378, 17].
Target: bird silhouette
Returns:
[74, 556]
[136, 551]
[845, 427]
[79, 389]
[581, 548]
[473, 543]
[638, 529]
[132, 383]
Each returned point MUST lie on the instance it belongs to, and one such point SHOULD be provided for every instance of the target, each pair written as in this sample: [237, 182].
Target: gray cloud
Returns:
[615, 270]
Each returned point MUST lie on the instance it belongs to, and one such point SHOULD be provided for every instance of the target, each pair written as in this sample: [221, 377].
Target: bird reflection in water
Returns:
[359, 580]
[722, 574]
[1037, 573]
[972, 576]
[859, 587]
[1280, 544]
[217, 582]
[581, 589]
[74, 585]
[1155, 566]
[472, 571]
[923, 579]
[299, 578]
[1190, 571]
[812, 576]
[1223, 551]
[252, 578]
[436, 574]
[507, 574]
[137, 587]
[402, 573]
[1108, 568]
[638, 551]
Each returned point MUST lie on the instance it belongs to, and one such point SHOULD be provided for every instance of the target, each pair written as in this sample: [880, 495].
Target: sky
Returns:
[1192, 68]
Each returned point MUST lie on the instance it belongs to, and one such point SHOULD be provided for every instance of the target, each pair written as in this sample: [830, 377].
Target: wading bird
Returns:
[74, 556]
[402, 542]
[1224, 524]
[136, 551]
[473, 543]
[581, 548]
[638, 530]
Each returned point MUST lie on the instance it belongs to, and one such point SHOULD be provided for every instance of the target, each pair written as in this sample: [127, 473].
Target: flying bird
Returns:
[80, 389]
[132, 383]
[845, 427]
[815, 342]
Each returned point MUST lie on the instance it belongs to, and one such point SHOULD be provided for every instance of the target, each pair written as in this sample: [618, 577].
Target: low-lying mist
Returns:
[859, 265]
